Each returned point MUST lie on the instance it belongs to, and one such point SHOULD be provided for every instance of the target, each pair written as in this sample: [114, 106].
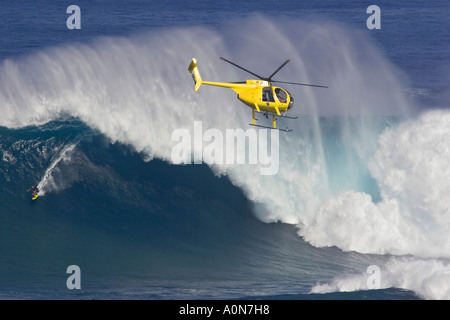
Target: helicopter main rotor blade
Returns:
[284, 63]
[237, 66]
[302, 84]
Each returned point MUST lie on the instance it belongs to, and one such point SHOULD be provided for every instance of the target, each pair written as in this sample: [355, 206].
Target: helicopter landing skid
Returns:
[267, 127]
[287, 117]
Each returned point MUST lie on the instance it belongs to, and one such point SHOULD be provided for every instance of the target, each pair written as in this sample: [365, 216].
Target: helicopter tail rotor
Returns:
[195, 74]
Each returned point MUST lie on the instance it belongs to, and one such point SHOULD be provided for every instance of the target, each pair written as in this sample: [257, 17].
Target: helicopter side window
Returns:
[267, 94]
[281, 95]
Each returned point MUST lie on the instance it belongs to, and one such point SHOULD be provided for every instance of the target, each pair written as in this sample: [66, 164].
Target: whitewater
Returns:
[377, 183]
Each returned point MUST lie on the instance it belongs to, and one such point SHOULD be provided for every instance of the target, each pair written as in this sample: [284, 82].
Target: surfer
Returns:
[34, 190]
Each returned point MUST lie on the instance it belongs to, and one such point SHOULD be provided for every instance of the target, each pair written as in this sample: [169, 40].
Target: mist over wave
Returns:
[344, 179]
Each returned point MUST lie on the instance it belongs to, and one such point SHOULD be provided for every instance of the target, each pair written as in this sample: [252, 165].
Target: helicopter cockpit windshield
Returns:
[281, 95]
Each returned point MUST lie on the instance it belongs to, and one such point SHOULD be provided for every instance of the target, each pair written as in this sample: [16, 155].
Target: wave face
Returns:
[360, 172]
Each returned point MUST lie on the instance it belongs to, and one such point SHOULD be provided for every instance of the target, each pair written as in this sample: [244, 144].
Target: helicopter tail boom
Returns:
[236, 86]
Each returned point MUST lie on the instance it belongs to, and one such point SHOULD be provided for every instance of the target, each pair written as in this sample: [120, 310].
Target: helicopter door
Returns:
[267, 94]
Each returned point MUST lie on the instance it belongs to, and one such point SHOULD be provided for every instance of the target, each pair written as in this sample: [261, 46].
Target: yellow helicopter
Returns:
[259, 95]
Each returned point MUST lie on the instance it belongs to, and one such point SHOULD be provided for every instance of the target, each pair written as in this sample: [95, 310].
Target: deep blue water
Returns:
[149, 229]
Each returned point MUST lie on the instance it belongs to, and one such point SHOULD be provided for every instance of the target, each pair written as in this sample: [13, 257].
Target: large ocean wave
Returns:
[361, 170]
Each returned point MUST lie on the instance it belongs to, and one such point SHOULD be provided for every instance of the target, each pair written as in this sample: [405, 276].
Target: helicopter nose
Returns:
[291, 102]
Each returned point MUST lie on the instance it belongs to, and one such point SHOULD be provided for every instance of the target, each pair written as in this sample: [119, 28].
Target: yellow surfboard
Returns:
[35, 196]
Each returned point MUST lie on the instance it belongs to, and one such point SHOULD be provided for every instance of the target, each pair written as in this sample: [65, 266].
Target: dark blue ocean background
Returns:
[140, 227]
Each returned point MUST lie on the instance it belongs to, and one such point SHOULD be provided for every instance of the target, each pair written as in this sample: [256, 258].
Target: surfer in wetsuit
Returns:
[34, 190]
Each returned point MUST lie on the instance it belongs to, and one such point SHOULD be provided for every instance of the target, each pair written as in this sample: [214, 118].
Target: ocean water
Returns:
[358, 208]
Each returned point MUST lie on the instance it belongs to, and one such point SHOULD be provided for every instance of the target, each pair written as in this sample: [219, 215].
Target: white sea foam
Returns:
[413, 217]
[428, 278]
[47, 182]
